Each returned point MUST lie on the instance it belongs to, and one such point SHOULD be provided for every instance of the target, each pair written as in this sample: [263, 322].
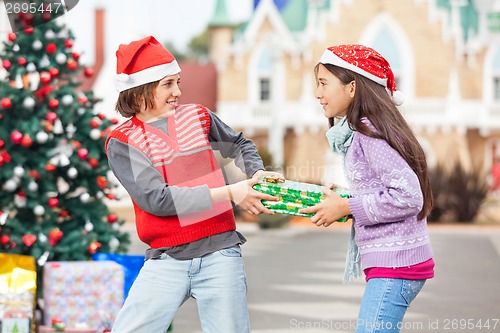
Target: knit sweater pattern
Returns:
[386, 199]
[185, 158]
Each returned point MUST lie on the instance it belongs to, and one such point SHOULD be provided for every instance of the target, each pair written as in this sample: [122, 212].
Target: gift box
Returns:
[17, 293]
[83, 293]
[131, 264]
[293, 195]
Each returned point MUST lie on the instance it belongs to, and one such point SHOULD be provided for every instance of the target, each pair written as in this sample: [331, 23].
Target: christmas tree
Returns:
[53, 168]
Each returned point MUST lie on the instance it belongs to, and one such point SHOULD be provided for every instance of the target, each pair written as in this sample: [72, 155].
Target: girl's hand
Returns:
[329, 210]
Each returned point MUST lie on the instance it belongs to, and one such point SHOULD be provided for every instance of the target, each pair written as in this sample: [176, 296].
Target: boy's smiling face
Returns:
[167, 95]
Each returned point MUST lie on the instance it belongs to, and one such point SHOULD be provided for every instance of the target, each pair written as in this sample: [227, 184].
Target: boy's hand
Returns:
[243, 195]
[272, 174]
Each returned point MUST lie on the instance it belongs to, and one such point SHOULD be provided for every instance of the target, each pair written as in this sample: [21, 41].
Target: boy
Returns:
[163, 157]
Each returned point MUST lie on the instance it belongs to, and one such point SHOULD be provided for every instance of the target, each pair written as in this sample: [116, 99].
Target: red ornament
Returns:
[53, 103]
[76, 144]
[29, 239]
[112, 218]
[46, 16]
[34, 174]
[11, 36]
[94, 162]
[54, 72]
[26, 141]
[51, 116]
[82, 99]
[83, 153]
[114, 121]
[94, 247]
[6, 103]
[2, 143]
[45, 77]
[69, 43]
[51, 48]
[28, 18]
[28, 30]
[50, 167]
[64, 213]
[4, 240]
[6, 64]
[5, 157]
[75, 55]
[89, 72]
[95, 122]
[102, 182]
[72, 65]
[21, 61]
[16, 137]
[55, 236]
[53, 202]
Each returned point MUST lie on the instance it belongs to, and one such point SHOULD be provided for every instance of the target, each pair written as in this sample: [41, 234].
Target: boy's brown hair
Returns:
[133, 100]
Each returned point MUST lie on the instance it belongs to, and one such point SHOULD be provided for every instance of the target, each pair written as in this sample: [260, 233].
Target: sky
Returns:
[175, 21]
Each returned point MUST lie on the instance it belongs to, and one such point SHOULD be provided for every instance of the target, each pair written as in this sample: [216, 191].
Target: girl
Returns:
[387, 174]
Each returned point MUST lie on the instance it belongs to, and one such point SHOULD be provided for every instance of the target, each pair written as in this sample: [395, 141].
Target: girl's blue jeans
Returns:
[217, 281]
[384, 304]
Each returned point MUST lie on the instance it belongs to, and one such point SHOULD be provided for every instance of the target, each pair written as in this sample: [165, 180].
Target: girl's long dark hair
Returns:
[372, 101]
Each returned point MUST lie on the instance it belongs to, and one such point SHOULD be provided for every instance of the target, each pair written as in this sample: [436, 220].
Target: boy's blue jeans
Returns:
[384, 304]
[217, 281]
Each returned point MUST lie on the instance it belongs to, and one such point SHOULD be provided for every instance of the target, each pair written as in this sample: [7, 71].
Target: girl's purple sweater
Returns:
[386, 199]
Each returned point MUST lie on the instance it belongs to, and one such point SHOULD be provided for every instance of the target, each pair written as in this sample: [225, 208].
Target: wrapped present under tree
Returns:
[17, 293]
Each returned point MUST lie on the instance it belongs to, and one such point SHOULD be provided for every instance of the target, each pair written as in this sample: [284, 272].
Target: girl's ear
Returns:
[352, 88]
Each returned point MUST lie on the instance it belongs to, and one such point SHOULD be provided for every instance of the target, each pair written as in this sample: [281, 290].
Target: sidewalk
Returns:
[295, 281]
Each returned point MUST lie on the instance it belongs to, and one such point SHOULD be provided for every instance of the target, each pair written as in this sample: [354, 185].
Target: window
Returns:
[496, 89]
[265, 89]
[264, 72]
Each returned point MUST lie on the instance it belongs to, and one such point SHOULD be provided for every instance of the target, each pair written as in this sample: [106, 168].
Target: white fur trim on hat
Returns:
[329, 57]
[125, 81]
[398, 98]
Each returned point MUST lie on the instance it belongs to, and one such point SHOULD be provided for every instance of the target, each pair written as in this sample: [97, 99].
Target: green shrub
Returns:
[458, 193]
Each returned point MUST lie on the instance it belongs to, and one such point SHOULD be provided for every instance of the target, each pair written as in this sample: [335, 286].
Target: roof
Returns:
[469, 17]
[220, 17]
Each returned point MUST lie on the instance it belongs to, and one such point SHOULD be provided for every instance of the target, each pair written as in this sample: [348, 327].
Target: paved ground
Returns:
[295, 282]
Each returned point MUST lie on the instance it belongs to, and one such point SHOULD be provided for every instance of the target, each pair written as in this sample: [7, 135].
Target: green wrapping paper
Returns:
[293, 196]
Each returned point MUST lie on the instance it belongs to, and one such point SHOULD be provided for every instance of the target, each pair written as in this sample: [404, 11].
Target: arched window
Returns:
[385, 35]
[385, 44]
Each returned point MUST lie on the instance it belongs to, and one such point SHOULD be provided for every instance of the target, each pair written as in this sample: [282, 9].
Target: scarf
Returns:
[340, 139]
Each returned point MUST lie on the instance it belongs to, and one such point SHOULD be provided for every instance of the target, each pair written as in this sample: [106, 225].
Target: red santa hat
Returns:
[364, 61]
[143, 61]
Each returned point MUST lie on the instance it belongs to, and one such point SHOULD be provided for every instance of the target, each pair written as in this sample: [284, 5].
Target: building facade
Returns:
[445, 55]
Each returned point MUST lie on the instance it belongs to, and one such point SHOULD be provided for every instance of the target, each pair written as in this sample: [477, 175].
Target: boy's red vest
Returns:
[185, 158]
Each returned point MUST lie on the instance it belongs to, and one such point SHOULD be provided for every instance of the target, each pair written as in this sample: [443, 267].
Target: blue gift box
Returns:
[132, 264]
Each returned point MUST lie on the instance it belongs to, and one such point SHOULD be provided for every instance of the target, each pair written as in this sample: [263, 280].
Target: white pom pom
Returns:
[398, 98]
[122, 77]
